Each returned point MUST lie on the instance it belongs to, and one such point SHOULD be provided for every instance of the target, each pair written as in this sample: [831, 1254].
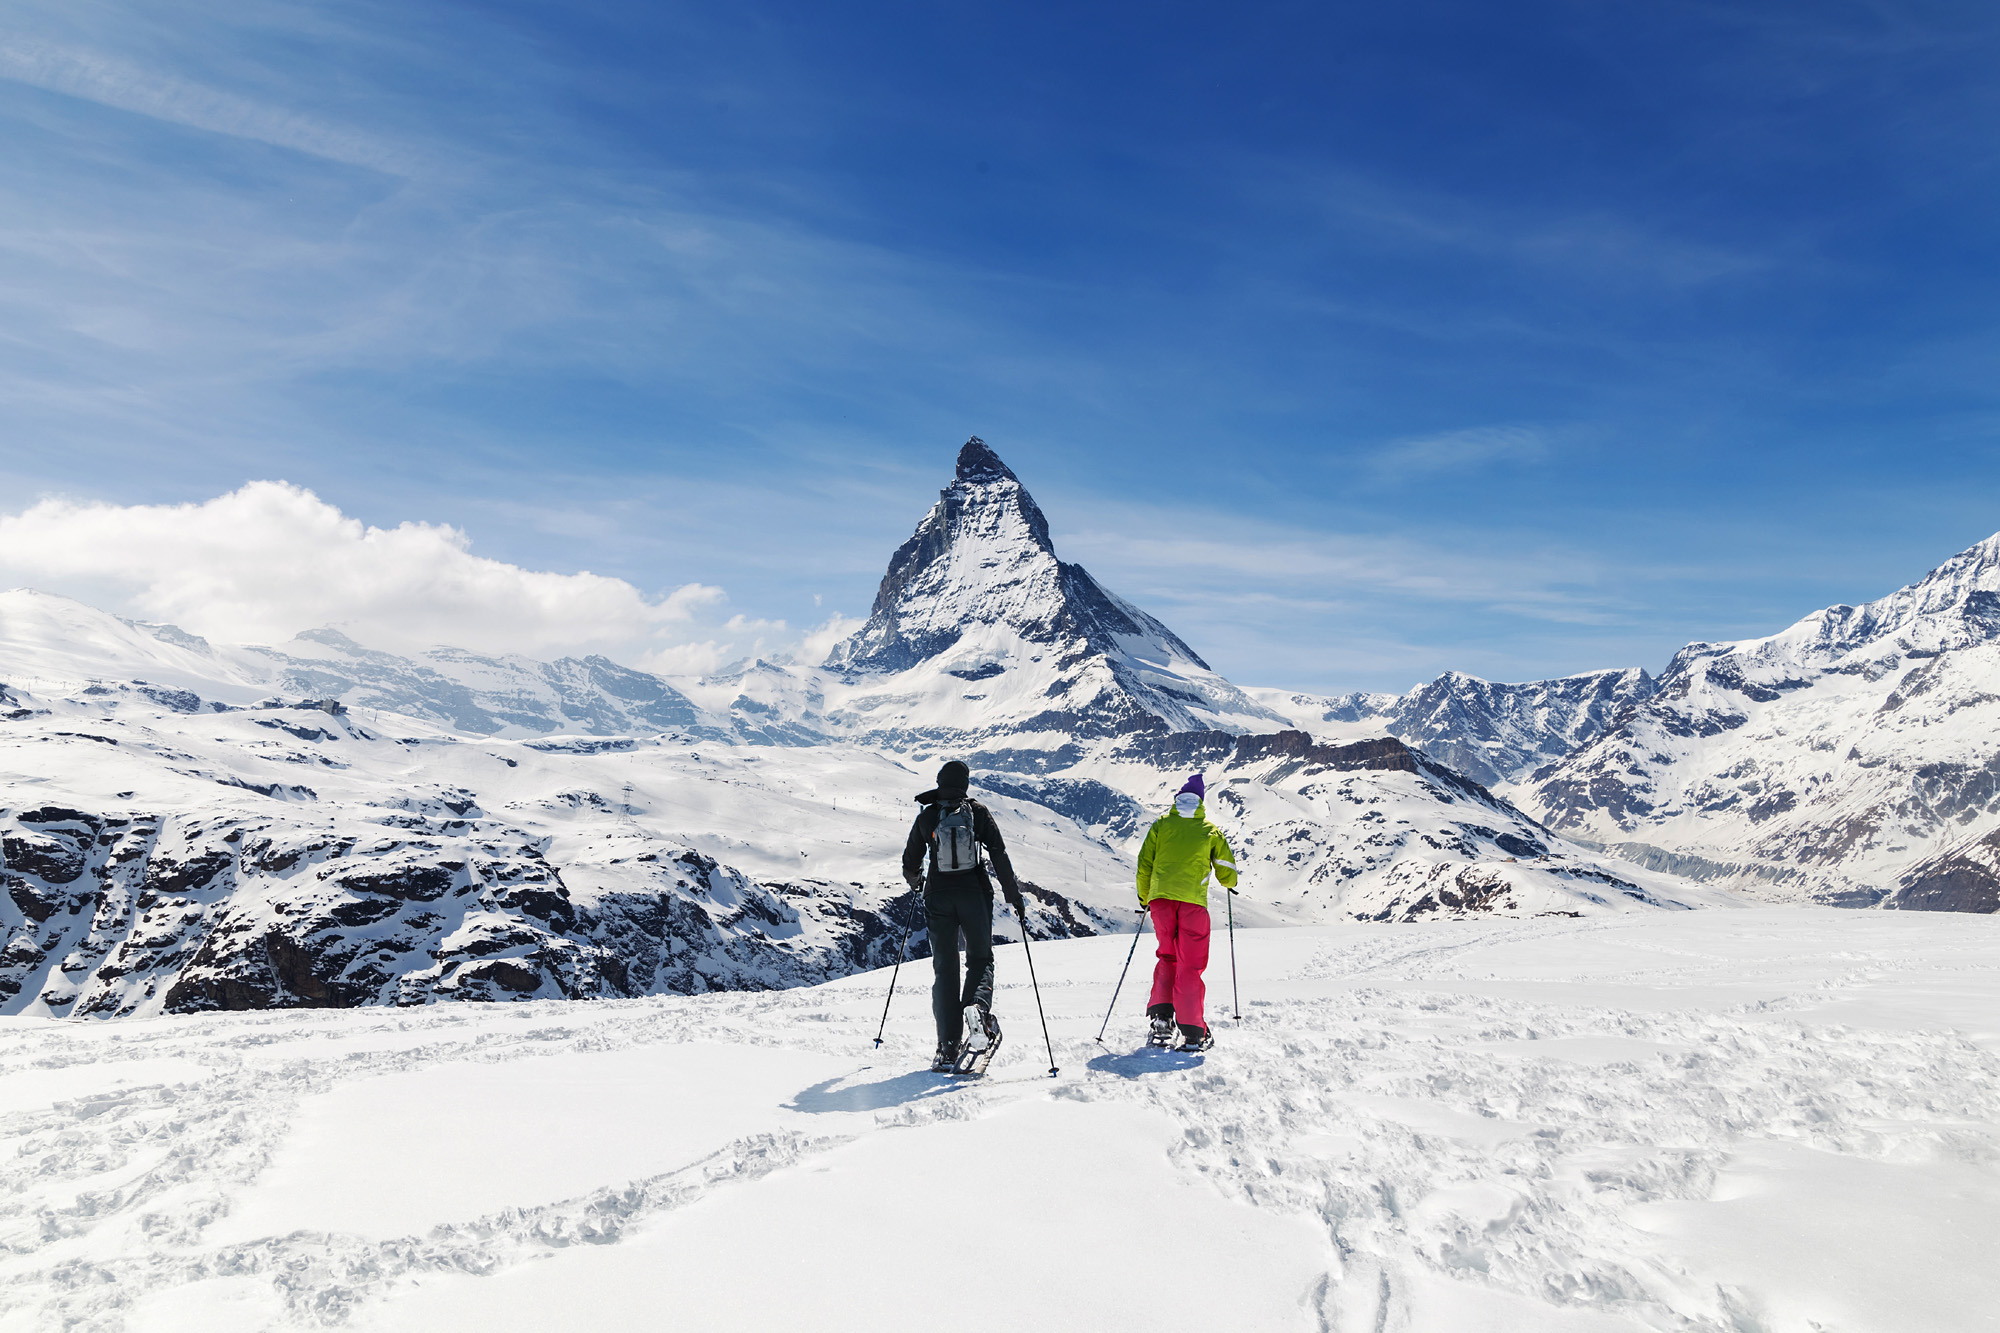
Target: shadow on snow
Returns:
[829, 1095]
[1138, 1064]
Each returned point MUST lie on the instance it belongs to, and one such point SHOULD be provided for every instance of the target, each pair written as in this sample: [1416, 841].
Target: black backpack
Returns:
[954, 850]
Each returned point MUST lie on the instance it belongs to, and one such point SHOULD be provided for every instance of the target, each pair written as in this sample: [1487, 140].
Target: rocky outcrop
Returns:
[1964, 879]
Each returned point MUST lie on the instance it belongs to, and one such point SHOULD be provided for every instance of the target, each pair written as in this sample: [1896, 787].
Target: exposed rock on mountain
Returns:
[1964, 879]
[1824, 761]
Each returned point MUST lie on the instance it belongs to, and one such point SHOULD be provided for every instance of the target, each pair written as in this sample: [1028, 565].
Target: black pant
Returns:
[949, 909]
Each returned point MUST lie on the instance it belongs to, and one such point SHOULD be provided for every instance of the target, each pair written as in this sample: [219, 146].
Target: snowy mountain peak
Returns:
[977, 595]
[982, 555]
[1955, 605]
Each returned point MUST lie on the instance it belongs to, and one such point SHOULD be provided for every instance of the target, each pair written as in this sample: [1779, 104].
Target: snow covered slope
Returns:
[1826, 761]
[1495, 734]
[1712, 1122]
[167, 857]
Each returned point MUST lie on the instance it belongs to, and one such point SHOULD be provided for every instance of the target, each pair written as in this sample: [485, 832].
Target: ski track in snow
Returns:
[1486, 1122]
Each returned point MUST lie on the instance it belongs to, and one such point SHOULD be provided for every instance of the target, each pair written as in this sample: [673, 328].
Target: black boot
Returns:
[1194, 1038]
[946, 1058]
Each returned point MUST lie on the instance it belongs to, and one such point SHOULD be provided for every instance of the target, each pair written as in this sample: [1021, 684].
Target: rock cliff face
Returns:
[1965, 878]
[1841, 759]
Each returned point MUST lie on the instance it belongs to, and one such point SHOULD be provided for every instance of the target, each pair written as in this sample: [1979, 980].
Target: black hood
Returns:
[952, 781]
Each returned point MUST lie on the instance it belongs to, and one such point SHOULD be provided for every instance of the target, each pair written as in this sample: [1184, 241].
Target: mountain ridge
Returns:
[1823, 761]
[1495, 732]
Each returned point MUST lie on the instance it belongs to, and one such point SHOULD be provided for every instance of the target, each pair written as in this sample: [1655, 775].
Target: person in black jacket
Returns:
[958, 898]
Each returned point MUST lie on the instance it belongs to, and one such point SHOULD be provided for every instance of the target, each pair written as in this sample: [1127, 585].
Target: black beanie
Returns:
[954, 777]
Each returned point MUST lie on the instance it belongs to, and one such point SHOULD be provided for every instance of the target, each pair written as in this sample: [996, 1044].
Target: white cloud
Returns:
[770, 639]
[270, 559]
[687, 659]
[819, 640]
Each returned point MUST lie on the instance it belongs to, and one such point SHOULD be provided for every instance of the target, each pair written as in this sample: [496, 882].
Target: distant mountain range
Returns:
[1495, 734]
[187, 825]
[1853, 758]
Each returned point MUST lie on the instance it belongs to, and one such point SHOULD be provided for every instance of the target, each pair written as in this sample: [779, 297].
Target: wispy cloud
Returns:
[1591, 240]
[108, 81]
[127, 325]
[1332, 570]
[1459, 451]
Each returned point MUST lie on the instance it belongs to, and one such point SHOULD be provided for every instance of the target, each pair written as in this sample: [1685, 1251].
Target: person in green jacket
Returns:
[1181, 850]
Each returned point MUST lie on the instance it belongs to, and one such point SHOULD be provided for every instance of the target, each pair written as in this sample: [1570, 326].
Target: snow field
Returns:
[1769, 1120]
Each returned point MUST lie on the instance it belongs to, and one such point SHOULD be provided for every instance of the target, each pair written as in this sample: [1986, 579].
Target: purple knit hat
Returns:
[1194, 784]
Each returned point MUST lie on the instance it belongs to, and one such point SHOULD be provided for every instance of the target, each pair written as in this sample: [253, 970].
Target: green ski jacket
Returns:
[1178, 855]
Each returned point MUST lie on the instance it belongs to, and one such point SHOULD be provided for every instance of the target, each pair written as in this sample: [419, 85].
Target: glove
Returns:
[1015, 901]
[916, 882]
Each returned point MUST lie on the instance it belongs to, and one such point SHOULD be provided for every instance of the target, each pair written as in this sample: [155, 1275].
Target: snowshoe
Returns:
[972, 1063]
[1160, 1033]
[975, 1028]
[1194, 1039]
[946, 1059]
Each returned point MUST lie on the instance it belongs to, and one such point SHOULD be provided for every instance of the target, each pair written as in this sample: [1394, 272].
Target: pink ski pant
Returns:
[1182, 929]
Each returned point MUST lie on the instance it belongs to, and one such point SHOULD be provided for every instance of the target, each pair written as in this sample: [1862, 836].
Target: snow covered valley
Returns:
[1768, 1119]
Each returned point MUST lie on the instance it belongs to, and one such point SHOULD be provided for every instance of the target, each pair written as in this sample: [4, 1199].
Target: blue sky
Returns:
[1357, 342]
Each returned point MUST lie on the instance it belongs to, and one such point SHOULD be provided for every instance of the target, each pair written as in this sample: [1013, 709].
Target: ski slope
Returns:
[1775, 1119]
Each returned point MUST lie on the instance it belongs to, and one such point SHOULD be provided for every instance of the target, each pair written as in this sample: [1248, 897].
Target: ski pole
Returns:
[894, 973]
[1021, 912]
[1235, 1000]
[1121, 976]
